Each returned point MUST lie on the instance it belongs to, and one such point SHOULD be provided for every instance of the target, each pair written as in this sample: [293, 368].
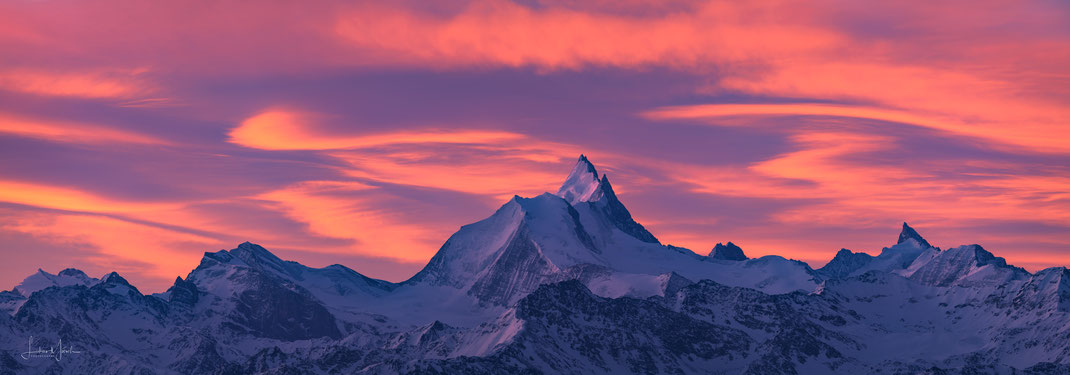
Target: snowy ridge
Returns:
[42, 279]
[844, 264]
[970, 263]
[560, 283]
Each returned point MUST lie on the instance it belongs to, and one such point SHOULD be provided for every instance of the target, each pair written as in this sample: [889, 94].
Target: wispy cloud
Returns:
[116, 85]
[71, 132]
[354, 211]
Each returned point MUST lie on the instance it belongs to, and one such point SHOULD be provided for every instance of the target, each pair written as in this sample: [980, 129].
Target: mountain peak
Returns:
[910, 233]
[42, 279]
[114, 278]
[73, 272]
[727, 252]
[582, 185]
[845, 263]
[183, 292]
[961, 263]
[256, 255]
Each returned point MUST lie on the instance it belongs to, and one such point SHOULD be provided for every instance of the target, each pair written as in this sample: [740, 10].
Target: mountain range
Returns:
[563, 283]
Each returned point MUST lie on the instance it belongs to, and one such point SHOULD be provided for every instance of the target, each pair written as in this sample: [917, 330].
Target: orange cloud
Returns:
[83, 85]
[287, 130]
[856, 193]
[710, 111]
[992, 108]
[155, 242]
[69, 199]
[1001, 92]
[71, 132]
[123, 246]
[519, 163]
[498, 179]
[376, 230]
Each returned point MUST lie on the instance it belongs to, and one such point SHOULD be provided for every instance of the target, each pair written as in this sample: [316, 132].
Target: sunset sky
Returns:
[136, 135]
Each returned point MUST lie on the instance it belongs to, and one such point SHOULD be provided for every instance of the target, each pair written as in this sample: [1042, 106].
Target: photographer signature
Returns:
[55, 352]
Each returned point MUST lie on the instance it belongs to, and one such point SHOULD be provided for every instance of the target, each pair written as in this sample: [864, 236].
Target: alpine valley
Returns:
[565, 283]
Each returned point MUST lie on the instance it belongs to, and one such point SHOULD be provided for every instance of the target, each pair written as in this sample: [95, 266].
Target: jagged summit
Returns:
[727, 252]
[582, 184]
[910, 233]
[910, 250]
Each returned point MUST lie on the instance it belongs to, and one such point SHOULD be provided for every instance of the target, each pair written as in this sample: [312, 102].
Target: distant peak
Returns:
[74, 272]
[910, 233]
[183, 292]
[844, 264]
[114, 278]
[42, 279]
[249, 254]
[582, 184]
[248, 251]
[727, 251]
[984, 257]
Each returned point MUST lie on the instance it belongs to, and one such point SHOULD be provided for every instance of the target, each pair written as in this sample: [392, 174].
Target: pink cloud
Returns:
[376, 230]
[118, 85]
[505, 33]
[71, 132]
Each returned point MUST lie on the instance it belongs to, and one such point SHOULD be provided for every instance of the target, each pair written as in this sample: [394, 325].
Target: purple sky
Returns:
[134, 136]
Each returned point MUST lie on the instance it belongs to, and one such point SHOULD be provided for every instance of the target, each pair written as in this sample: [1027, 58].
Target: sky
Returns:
[137, 135]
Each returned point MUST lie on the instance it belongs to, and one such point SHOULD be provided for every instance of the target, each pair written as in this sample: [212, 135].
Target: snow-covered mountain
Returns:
[897, 258]
[559, 283]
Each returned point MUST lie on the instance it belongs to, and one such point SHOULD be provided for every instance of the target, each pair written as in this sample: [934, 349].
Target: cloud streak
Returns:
[71, 132]
[68, 84]
[289, 130]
